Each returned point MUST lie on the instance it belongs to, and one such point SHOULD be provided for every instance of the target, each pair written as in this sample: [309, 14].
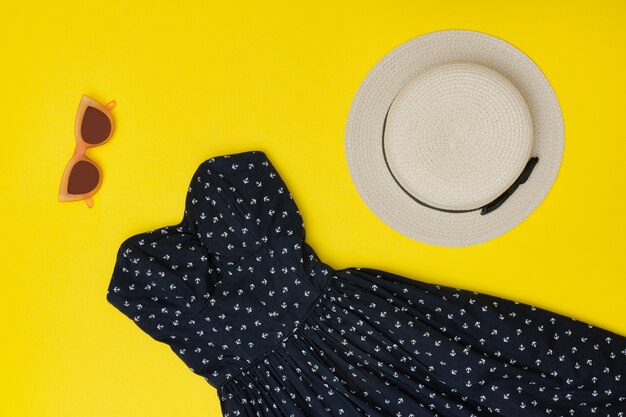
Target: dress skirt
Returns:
[386, 345]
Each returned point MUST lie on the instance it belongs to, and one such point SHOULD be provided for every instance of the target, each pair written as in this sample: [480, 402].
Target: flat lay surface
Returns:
[207, 79]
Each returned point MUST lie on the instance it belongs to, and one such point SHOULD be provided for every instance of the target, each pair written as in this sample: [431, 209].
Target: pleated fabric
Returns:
[377, 344]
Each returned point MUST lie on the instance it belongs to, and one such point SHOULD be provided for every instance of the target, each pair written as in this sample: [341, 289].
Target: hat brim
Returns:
[363, 140]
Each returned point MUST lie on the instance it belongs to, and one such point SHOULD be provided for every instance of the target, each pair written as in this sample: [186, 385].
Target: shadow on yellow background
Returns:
[193, 81]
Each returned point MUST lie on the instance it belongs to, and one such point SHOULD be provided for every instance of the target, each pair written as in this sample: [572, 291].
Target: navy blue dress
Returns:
[245, 302]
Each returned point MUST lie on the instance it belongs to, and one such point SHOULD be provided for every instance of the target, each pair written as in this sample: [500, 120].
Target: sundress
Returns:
[238, 294]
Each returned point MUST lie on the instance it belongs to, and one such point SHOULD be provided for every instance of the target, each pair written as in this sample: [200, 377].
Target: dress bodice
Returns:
[232, 279]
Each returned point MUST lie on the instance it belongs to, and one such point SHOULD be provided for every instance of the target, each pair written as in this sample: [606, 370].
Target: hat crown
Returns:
[457, 136]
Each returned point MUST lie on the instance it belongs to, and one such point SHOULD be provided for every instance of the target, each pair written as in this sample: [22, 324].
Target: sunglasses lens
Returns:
[96, 126]
[84, 177]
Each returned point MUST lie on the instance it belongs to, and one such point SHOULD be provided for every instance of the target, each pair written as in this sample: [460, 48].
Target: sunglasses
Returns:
[93, 127]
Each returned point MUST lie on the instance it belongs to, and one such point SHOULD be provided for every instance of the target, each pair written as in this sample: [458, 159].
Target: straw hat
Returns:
[454, 138]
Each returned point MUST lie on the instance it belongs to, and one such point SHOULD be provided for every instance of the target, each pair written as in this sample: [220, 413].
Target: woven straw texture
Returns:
[465, 110]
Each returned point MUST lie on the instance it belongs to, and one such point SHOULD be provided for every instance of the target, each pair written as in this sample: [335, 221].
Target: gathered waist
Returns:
[332, 278]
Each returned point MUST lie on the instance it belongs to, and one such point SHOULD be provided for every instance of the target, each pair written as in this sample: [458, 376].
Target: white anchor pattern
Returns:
[245, 302]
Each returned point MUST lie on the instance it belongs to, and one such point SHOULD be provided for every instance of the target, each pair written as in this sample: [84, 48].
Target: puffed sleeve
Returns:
[240, 204]
[159, 278]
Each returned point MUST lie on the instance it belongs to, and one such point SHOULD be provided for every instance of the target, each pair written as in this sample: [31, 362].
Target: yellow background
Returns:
[197, 80]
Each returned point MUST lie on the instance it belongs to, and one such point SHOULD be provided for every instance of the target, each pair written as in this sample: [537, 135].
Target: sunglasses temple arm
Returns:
[110, 105]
